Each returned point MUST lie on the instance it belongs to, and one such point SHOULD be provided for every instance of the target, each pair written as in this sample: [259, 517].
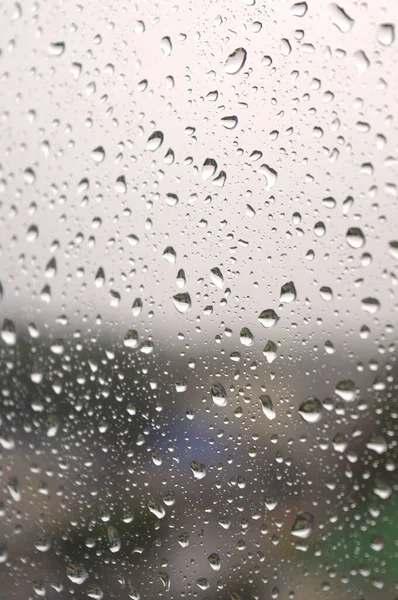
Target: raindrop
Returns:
[246, 337]
[346, 390]
[132, 590]
[340, 18]
[214, 561]
[288, 292]
[271, 176]
[155, 140]
[311, 410]
[229, 122]
[299, 9]
[56, 48]
[166, 45]
[98, 154]
[268, 407]
[218, 394]
[268, 318]
[76, 573]
[303, 525]
[370, 305]
[113, 538]
[270, 351]
[8, 333]
[120, 185]
[217, 277]
[386, 34]
[198, 469]
[209, 168]
[235, 61]
[355, 238]
[156, 509]
[182, 302]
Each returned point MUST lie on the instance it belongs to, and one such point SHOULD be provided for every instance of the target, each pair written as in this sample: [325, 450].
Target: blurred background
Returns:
[198, 249]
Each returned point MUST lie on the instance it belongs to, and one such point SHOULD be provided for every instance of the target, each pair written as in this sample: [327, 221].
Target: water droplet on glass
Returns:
[76, 573]
[8, 333]
[156, 509]
[303, 525]
[229, 122]
[132, 590]
[377, 443]
[214, 561]
[386, 34]
[355, 238]
[182, 302]
[235, 61]
[209, 168]
[271, 176]
[268, 407]
[198, 469]
[299, 9]
[270, 351]
[218, 394]
[288, 292]
[98, 154]
[56, 48]
[268, 318]
[370, 305]
[246, 337]
[346, 390]
[340, 18]
[311, 410]
[155, 140]
[113, 539]
[166, 45]
[217, 277]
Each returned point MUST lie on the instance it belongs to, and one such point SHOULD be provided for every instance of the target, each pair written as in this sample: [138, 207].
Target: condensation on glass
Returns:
[199, 245]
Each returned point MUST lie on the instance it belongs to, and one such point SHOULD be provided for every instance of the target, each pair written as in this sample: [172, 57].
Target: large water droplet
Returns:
[303, 525]
[268, 407]
[288, 292]
[355, 238]
[311, 410]
[235, 61]
[76, 573]
[270, 351]
[214, 561]
[182, 302]
[386, 34]
[155, 140]
[340, 18]
[346, 390]
[218, 394]
[268, 318]
[198, 469]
